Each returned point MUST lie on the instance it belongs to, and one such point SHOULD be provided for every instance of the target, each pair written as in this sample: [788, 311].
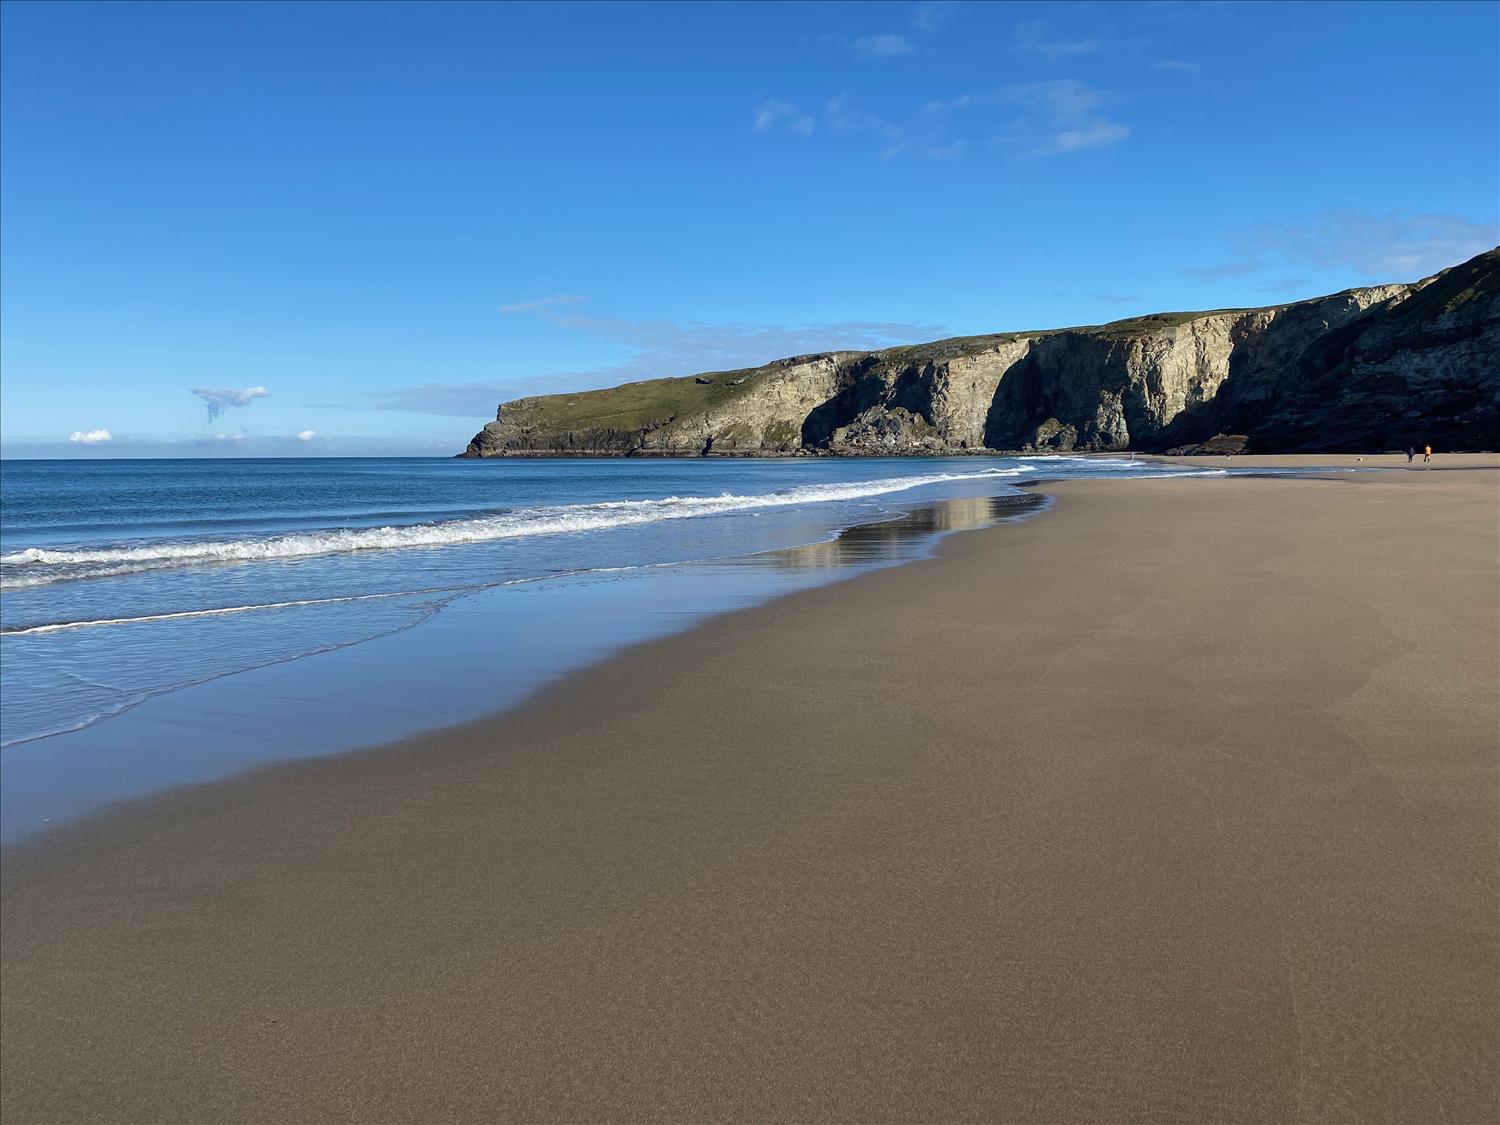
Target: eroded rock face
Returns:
[1372, 368]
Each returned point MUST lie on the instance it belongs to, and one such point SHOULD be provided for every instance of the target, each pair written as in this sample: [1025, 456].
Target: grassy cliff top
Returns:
[632, 406]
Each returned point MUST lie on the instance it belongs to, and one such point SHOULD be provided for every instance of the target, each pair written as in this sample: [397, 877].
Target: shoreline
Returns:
[475, 678]
[942, 841]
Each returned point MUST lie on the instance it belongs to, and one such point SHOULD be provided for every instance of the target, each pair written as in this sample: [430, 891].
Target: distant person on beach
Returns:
[1411, 454]
[1426, 454]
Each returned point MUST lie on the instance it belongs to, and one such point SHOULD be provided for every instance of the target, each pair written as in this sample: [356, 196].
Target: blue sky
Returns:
[266, 229]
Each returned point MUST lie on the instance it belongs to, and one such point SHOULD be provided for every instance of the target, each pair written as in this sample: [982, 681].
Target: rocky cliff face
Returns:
[1376, 368]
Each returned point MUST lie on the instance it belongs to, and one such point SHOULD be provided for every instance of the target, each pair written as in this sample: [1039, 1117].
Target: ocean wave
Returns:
[38, 566]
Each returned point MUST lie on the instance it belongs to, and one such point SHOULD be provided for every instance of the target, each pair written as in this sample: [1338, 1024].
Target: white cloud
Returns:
[1062, 98]
[1054, 51]
[1178, 65]
[1060, 115]
[220, 399]
[90, 437]
[945, 152]
[541, 303]
[1030, 35]
[1094, 134]
[229, 437]
[883, 46]
[306, 435]
[846, 118]
[949, 105]
[774, 114]
[1067, 116]
[929, 15]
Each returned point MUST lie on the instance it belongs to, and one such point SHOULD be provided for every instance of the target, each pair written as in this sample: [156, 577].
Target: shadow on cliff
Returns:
[1071, 390]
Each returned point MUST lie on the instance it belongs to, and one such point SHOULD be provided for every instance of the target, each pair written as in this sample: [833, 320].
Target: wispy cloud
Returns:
[1219, 273]
[658, 348]
[1031, 35]
[1391, 246]
[1181, 66]
[1063, 99]
[948, 105]
[306, 435]
[1091, 134]
[1180, 11]
[90, 437]
[846, 118]
[929, 15]
[220, 399]
[1116, 298]
[1067, 116]
[1062, 115]
[541, 304]
[885, 46]
[773, 114]
[944, 152]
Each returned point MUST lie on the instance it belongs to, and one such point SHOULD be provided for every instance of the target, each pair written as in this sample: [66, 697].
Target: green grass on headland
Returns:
[632, 406]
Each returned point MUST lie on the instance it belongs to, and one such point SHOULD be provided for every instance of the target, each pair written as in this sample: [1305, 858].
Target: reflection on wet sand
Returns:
[905, 536]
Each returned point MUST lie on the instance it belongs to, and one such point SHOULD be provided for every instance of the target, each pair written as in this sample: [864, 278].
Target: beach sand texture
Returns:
[1175, 803]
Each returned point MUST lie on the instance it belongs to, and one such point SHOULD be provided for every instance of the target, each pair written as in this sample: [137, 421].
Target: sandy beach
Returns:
[1176, 802]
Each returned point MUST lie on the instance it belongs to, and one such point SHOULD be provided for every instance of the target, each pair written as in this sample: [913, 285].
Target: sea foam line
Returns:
[216, 611]
[444, 593]
[40, 566]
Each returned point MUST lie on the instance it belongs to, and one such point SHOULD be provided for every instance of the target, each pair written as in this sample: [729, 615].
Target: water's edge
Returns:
[63, 778]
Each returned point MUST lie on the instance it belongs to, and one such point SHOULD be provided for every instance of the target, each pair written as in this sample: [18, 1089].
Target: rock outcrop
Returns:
[1366, 369]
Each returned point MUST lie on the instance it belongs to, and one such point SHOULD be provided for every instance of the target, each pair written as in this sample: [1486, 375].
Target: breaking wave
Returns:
[40, 566]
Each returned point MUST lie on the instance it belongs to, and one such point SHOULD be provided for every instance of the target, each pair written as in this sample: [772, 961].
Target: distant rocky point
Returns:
[1365, 369]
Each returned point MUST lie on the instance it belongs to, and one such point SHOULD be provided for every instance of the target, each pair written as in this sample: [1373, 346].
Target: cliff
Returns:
[1366, 369]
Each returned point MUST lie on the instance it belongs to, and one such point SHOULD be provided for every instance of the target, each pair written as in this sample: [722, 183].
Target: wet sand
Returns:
[1177, 802]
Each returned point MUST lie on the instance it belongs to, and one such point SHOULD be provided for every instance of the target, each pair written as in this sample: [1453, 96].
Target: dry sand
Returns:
[1177, 802]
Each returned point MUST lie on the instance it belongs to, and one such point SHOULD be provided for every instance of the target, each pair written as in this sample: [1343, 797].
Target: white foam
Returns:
[1096, 464]
[216, 611]
[40, 566]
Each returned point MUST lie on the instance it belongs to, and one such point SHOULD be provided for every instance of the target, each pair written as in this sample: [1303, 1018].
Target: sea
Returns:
[173, 622]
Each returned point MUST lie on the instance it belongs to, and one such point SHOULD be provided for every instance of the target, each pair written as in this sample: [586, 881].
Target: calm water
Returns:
[171, 621]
